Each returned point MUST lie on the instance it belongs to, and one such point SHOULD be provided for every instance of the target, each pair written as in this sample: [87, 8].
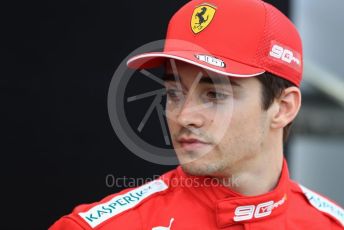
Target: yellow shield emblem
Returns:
[201, 17]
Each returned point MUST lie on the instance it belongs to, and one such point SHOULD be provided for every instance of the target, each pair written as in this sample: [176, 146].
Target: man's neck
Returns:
[258, 176]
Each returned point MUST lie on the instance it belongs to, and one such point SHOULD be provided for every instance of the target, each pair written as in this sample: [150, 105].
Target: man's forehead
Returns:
[173, 65]
[223, 80]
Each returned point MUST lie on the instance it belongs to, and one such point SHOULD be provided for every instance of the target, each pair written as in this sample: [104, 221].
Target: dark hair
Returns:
[272, 88]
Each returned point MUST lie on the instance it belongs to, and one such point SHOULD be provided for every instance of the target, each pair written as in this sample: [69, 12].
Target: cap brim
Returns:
[230, 68]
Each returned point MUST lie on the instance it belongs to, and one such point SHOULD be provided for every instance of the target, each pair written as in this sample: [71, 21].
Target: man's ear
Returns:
[287, 107]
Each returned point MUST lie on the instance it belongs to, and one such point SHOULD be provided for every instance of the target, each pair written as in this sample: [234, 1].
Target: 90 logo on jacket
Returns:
[249, 212]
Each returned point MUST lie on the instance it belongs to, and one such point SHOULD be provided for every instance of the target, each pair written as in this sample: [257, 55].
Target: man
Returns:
[233, 71]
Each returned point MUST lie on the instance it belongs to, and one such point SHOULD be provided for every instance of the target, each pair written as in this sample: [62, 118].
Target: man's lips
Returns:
[191, 143]
[190, 140]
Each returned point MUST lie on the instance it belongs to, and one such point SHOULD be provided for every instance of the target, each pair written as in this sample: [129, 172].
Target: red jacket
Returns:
[179, 201]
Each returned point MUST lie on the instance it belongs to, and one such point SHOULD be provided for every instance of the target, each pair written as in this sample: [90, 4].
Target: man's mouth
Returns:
[192, 143]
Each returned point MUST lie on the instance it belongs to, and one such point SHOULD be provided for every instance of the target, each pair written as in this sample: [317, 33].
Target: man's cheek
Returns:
[171, 124]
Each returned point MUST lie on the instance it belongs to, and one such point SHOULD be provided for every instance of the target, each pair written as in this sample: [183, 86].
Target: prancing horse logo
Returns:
[201, 17]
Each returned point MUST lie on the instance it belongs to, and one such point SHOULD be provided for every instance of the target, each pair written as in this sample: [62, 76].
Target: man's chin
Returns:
[198, 163]
[189, 156]
[191, 171]
[197, 168]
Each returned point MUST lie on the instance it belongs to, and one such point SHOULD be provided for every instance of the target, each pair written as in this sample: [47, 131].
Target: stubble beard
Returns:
[204, 165]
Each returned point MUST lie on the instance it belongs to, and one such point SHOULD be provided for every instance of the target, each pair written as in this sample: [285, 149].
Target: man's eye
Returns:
[216, 95]
[174, 94]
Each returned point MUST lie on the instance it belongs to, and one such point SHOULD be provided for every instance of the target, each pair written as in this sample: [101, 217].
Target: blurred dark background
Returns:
[57, 141]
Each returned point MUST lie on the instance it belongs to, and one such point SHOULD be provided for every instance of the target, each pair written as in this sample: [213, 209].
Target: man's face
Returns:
[224, 115]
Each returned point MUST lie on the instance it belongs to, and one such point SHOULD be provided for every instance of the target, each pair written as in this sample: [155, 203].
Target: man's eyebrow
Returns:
[168, 77]
[205, 80]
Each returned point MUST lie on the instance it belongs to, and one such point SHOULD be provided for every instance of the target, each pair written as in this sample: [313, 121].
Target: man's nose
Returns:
[191, 113]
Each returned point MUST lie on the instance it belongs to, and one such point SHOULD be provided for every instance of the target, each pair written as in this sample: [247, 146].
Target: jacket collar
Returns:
[233, 208]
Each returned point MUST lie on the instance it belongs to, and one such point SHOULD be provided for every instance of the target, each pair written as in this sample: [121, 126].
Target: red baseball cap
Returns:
[238, 38]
